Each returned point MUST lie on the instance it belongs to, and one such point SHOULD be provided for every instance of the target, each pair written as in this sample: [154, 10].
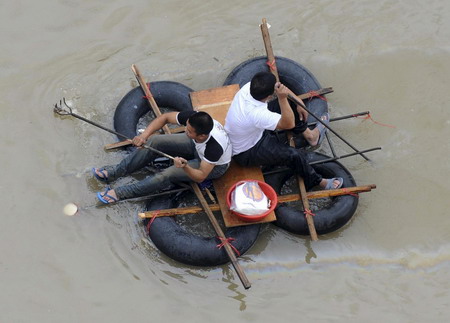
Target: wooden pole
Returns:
[296, 101]
[301, 182]
[148, 95]
[228, 249]
[281, 199]
[240, 272]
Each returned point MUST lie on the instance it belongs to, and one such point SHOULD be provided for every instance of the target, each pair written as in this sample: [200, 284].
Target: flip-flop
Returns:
[101, 197]
[322, 129]
[330, 181]
[103, 178]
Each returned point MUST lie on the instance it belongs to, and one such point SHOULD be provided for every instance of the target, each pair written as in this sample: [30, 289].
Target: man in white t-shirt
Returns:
[250, 127]
[204, 152]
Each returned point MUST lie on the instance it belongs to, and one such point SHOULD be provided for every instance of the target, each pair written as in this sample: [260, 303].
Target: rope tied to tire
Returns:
[346, 191]
[272, 65]
[308, 212]
[315, 94]
[228, 241]
[150, 95]
[149, 224]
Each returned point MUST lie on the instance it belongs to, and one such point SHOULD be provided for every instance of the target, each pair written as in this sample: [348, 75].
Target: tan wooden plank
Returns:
[221, 185]
[214, 95]
[215, 101]
[281, 199]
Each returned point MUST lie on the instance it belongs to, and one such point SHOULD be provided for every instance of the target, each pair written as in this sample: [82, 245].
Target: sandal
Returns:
[110, 199]
[330, 182]
[103, 178]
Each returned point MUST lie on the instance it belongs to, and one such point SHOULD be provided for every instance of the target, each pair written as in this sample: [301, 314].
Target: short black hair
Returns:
[262, 85]
[201, 122]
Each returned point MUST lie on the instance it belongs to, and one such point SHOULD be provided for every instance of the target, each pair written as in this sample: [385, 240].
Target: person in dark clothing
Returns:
[250, 127]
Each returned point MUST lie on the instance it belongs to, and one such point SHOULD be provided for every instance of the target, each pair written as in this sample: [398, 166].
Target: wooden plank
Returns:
[214, 95]
[281, 199]
[128, 141]
[221, 185]
[215, 101]
[314, 93]
[118, 144]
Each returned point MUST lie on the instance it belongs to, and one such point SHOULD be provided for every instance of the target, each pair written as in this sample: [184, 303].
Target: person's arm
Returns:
[302, 113]
[196, 174]
[287, 120]
[155, 125]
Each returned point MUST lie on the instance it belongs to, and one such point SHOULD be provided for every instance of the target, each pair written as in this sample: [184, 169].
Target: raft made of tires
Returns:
[191, 249]
[134, 105]
[167, 235]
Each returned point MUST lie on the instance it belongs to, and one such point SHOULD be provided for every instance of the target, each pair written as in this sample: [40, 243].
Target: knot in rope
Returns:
[149, 224]
[314, 94]
[148, 97]
[272, 65]
[228, 241]
[346, 191]
[308, 212]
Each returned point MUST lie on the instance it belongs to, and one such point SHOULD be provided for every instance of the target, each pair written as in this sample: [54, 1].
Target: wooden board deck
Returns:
[216, 102]
[221, 185]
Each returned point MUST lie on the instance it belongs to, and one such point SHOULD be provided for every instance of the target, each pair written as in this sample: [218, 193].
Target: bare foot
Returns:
[337, 183]
[312, 136]
[316, 133]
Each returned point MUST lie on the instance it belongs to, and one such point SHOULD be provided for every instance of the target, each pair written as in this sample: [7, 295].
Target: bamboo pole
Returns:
[281, 199]
[300, 180]
[129, 142]
[296, 101]
[240, 272]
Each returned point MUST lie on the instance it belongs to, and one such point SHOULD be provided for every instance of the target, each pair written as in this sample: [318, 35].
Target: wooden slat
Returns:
[281, 199]
[118, 144]
[215, 101]
[128, 141]
[221, 185]
[314, 93]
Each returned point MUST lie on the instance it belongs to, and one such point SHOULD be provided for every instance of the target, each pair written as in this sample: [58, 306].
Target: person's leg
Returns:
[315, 136]
[161, 180]
[155, 182]
[268, 151]
[175, 145]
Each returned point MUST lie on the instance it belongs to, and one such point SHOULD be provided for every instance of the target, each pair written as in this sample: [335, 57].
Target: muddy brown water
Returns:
[391, 262]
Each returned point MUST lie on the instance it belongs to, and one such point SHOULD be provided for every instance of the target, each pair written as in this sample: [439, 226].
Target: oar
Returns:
[301, 181]
[240, 272]
[296, 101]
[64, 111]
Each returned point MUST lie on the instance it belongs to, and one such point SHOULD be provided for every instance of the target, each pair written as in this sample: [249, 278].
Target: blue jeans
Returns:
[177, 145]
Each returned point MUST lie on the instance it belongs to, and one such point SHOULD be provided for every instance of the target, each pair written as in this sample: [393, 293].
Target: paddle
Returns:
[241, 274]
[66, 110]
